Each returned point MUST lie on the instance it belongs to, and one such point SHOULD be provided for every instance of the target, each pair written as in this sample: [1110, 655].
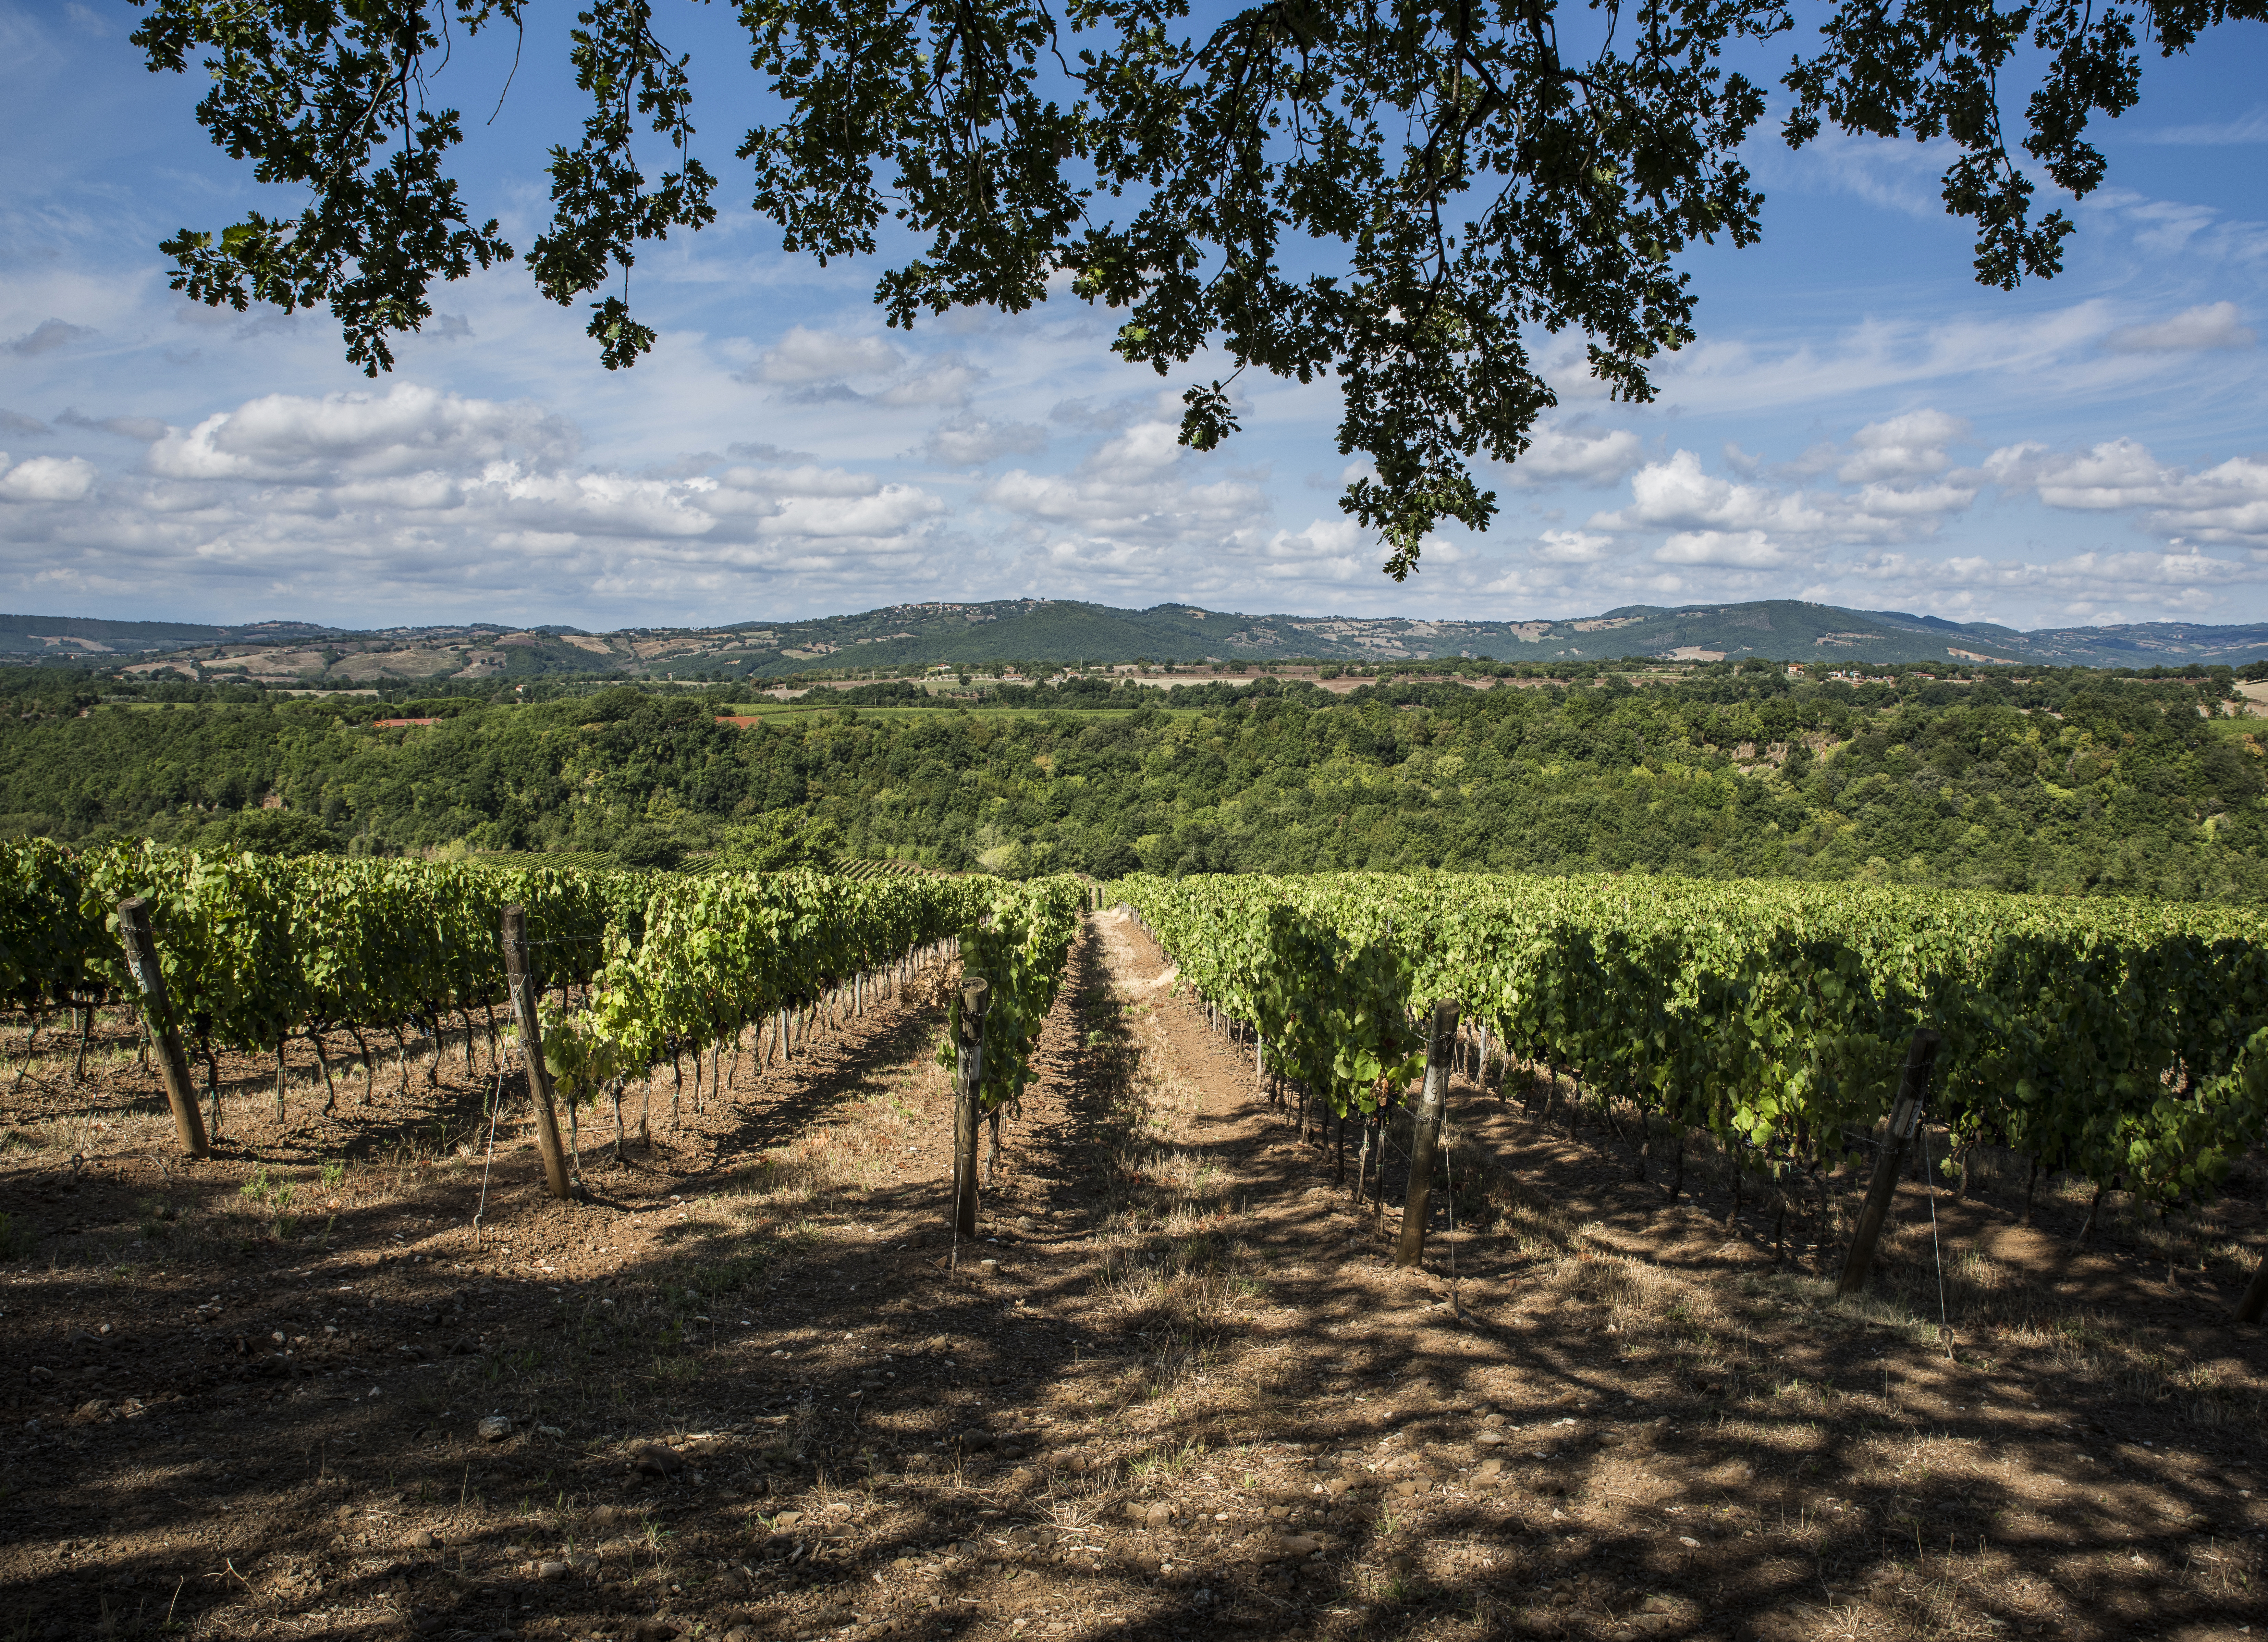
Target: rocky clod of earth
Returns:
[495, 1428]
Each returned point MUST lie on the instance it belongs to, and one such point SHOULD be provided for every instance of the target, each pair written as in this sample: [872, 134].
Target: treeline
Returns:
[2072, 782]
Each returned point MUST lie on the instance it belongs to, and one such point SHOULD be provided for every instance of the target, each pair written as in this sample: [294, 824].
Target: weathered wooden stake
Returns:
[1905, 1118]
[519, 974]
[150, 981]
[968, 1083]
[1425, 1132]
[1362, 1163]
[2256, 1295]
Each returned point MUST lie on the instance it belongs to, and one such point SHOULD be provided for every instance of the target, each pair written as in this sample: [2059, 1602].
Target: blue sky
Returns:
[1859, 423]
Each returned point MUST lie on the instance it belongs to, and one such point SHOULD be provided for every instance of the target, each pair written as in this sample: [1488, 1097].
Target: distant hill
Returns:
[912, 635]
[22, 635]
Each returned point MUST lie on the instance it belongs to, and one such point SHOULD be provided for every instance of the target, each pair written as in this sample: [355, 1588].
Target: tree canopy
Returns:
[1395, 196]
[2071, 782]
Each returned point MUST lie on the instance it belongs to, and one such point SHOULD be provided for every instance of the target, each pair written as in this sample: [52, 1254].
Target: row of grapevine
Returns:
[724, 951]
[1019, 945]
[2100, 1036]
[256, 950]
[252, 951]
[723, 954]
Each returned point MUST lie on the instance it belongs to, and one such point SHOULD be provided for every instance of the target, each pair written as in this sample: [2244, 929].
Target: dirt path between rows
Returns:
[754, 1389]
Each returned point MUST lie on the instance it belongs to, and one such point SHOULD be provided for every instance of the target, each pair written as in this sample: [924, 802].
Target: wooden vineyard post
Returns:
[150, 980]
[1905, 1118]
[968, 1083]
[1426, 1133]
[517, 972]
[2256, 1295]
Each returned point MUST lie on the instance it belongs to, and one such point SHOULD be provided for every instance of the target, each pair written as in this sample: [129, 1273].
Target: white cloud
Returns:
[2227, 503]
[2080, 587]
[1559, 450]
[46, 479]
[1333, 551]
[2214, 325]
[943, 381]
[1891, 174]
[407, 429]
[1885, 502]
[1901, 492]
[2012, 360]
[808, 356]
[2251, 128]
[1142, 513]
[1677, 495]
[804, 479]
[430, 496]
[889, 513]
[1902, 447]
[1742, 549]
[1572, 546]
[2179, 228]
[970, 441]
[1147, 447]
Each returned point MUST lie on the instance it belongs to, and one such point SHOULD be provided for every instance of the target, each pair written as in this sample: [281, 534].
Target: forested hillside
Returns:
[2072, 783]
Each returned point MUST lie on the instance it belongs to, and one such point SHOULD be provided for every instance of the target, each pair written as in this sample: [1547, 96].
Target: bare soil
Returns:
[751, 1385]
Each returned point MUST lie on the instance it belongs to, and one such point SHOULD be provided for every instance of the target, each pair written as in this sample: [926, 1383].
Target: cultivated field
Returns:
[357, 1376]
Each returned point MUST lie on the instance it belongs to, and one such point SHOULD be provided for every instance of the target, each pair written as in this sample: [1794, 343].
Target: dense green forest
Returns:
[2074, 782]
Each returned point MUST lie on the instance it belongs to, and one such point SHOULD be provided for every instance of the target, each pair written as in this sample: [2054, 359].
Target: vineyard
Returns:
[743, 1374]
[631, 970]
[2125, 1043]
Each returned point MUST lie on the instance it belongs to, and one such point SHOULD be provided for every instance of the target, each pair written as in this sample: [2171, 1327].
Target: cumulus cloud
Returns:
[1141, 510]
[1904, 447]
[970, 441]
[1676, 494]
[409, 429]
[46, 479]
[46, 337]
[419, 491]
[1561, 451]
[1739, 549]
[2089, 586]
[2227, 503]
[942, 381]
[2214, 325]
[1898, 488]
[1572, 547]
[808, 356]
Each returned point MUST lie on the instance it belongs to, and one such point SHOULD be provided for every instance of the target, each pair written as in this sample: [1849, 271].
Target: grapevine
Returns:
[2100, 1036]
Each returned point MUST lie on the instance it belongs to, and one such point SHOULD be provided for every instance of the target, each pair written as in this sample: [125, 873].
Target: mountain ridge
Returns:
[932, 633]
